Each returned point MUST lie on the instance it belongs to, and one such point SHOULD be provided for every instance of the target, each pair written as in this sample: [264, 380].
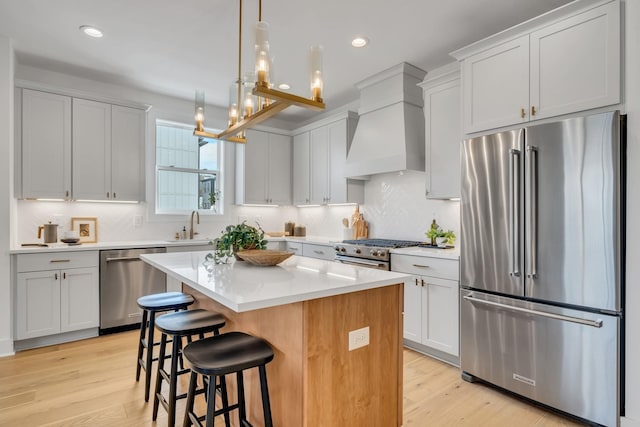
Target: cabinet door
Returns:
[301, 169]
[37, 304]
[91, 150]
[440, 314]
[253, 167]
[496, 86]
[46, 145]
[337, 134]
[413, 309]
[127, 148]
[319, 154]
[575, 63]
[279, 169]
[443, 138]
[79, 299]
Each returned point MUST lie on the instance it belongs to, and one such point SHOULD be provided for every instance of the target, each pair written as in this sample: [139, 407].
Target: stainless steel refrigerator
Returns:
[541, 264]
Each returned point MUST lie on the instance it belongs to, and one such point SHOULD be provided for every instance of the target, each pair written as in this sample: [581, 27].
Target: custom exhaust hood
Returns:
[390, 132]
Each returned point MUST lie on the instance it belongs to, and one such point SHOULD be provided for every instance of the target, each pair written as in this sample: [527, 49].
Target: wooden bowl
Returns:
[263, 256]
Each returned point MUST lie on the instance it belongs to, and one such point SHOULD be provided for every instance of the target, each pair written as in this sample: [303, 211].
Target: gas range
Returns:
[372, 253]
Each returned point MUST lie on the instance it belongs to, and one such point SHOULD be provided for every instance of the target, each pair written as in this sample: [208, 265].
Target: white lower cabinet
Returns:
[56, 293]
[312, 250]
[430, 302]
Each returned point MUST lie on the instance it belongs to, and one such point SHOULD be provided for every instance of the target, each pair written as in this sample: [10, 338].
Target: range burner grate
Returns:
[383, 243]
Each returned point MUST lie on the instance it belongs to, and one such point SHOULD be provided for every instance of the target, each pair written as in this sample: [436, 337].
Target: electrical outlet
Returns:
[137, 221]
[358, 338]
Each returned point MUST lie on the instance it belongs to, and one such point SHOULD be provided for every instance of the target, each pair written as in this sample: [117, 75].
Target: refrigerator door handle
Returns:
[587, 322]
[533, 211]
[514, 212]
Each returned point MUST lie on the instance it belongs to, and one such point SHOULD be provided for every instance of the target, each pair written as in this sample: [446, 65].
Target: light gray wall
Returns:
[632, 312]
[6, 193]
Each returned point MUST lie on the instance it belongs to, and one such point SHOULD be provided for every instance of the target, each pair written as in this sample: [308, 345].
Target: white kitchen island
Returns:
[305, 308]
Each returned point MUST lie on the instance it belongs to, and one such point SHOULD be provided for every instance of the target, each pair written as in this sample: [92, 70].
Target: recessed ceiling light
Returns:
[359, 42]
[284, 86]
[91, 31]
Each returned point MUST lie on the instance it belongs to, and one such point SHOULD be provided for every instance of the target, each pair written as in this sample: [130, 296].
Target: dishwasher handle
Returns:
[123, 258]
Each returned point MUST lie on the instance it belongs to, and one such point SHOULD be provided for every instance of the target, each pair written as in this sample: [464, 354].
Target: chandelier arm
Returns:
[288, 98]
[262, 115]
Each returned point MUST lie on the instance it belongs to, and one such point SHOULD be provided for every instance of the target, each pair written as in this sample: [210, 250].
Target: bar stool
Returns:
[150, 305]
[233, 352]
[178, 325]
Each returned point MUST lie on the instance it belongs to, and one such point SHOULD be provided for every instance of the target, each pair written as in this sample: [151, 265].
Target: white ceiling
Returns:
[174, 47]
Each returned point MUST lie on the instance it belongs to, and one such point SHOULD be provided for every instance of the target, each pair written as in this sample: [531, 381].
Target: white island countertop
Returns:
[241, 286]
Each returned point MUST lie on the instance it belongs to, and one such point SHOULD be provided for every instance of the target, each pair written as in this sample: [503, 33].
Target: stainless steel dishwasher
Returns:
[124, 277]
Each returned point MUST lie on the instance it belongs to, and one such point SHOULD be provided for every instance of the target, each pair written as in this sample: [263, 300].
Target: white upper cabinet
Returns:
[443, 133]
[575, 63]
[496, 86]
[46, 145]
[127, 153]
[319, 152]
[301, 169]
[263, 169]
[563, 62]
[108, 142]
[320, 155]
[91, 150]
[73, 148]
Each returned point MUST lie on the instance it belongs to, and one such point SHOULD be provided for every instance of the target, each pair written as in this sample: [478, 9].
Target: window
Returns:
[188, 170]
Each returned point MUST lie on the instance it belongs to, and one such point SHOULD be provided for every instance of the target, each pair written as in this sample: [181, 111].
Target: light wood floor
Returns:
[92, 383]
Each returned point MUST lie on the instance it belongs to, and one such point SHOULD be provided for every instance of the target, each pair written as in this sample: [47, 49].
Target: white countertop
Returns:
[63, 247]
[451, 253]
[243, 287]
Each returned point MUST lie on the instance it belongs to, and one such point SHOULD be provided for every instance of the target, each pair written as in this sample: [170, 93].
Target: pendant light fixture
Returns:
[253, 99]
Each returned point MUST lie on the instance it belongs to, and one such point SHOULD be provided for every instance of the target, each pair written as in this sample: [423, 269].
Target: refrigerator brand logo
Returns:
[524, 380]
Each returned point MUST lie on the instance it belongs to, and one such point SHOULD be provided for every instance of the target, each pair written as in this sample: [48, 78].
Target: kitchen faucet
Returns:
[191, 233]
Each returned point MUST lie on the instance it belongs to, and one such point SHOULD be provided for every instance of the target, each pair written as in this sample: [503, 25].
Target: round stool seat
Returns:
[165, 301]
[190, 322]
[227, 353]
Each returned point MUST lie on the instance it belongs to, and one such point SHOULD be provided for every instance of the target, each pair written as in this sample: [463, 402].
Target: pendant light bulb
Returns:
[263, 61]
[315, 70]
[199, 110]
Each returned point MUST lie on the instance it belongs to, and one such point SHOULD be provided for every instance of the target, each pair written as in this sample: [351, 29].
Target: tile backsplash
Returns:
[395, 207]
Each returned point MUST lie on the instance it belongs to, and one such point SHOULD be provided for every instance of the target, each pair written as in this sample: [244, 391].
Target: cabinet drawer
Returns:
[425, 266]
[55, 261]
[318, 251]
[295, 247]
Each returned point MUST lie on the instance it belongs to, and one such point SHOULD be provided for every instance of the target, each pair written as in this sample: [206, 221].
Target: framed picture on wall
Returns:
[87, 229]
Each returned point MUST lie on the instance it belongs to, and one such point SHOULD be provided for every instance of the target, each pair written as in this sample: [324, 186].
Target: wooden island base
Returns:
[314, 380]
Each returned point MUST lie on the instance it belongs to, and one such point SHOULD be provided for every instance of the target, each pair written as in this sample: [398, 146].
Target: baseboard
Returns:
[628, 422]
[55, 339]
[6, 348]
[432, 352]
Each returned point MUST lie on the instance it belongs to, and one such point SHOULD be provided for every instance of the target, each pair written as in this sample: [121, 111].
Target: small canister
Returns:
[300, 231]
[289, 228]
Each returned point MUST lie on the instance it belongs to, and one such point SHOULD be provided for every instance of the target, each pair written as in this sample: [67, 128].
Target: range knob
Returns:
[372, 252]
[357, 250]
[343, 249]
[337, 248]
[382, 253]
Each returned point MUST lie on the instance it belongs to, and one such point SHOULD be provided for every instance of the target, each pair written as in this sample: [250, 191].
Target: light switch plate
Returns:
[137, 221]
[358, 338]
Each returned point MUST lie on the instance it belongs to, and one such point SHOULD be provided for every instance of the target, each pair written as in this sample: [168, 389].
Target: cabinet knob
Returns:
[522, 113]
[55, 276]
[64, 275]
[66, 193]
[416, 281]
[114, 194]
[533, 110]
[107, 194]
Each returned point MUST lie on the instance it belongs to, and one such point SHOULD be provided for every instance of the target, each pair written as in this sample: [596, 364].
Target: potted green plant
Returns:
[440, 237]
[236, 238]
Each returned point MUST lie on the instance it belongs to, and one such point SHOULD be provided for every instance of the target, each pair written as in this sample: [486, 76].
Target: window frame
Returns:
[219, 174]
